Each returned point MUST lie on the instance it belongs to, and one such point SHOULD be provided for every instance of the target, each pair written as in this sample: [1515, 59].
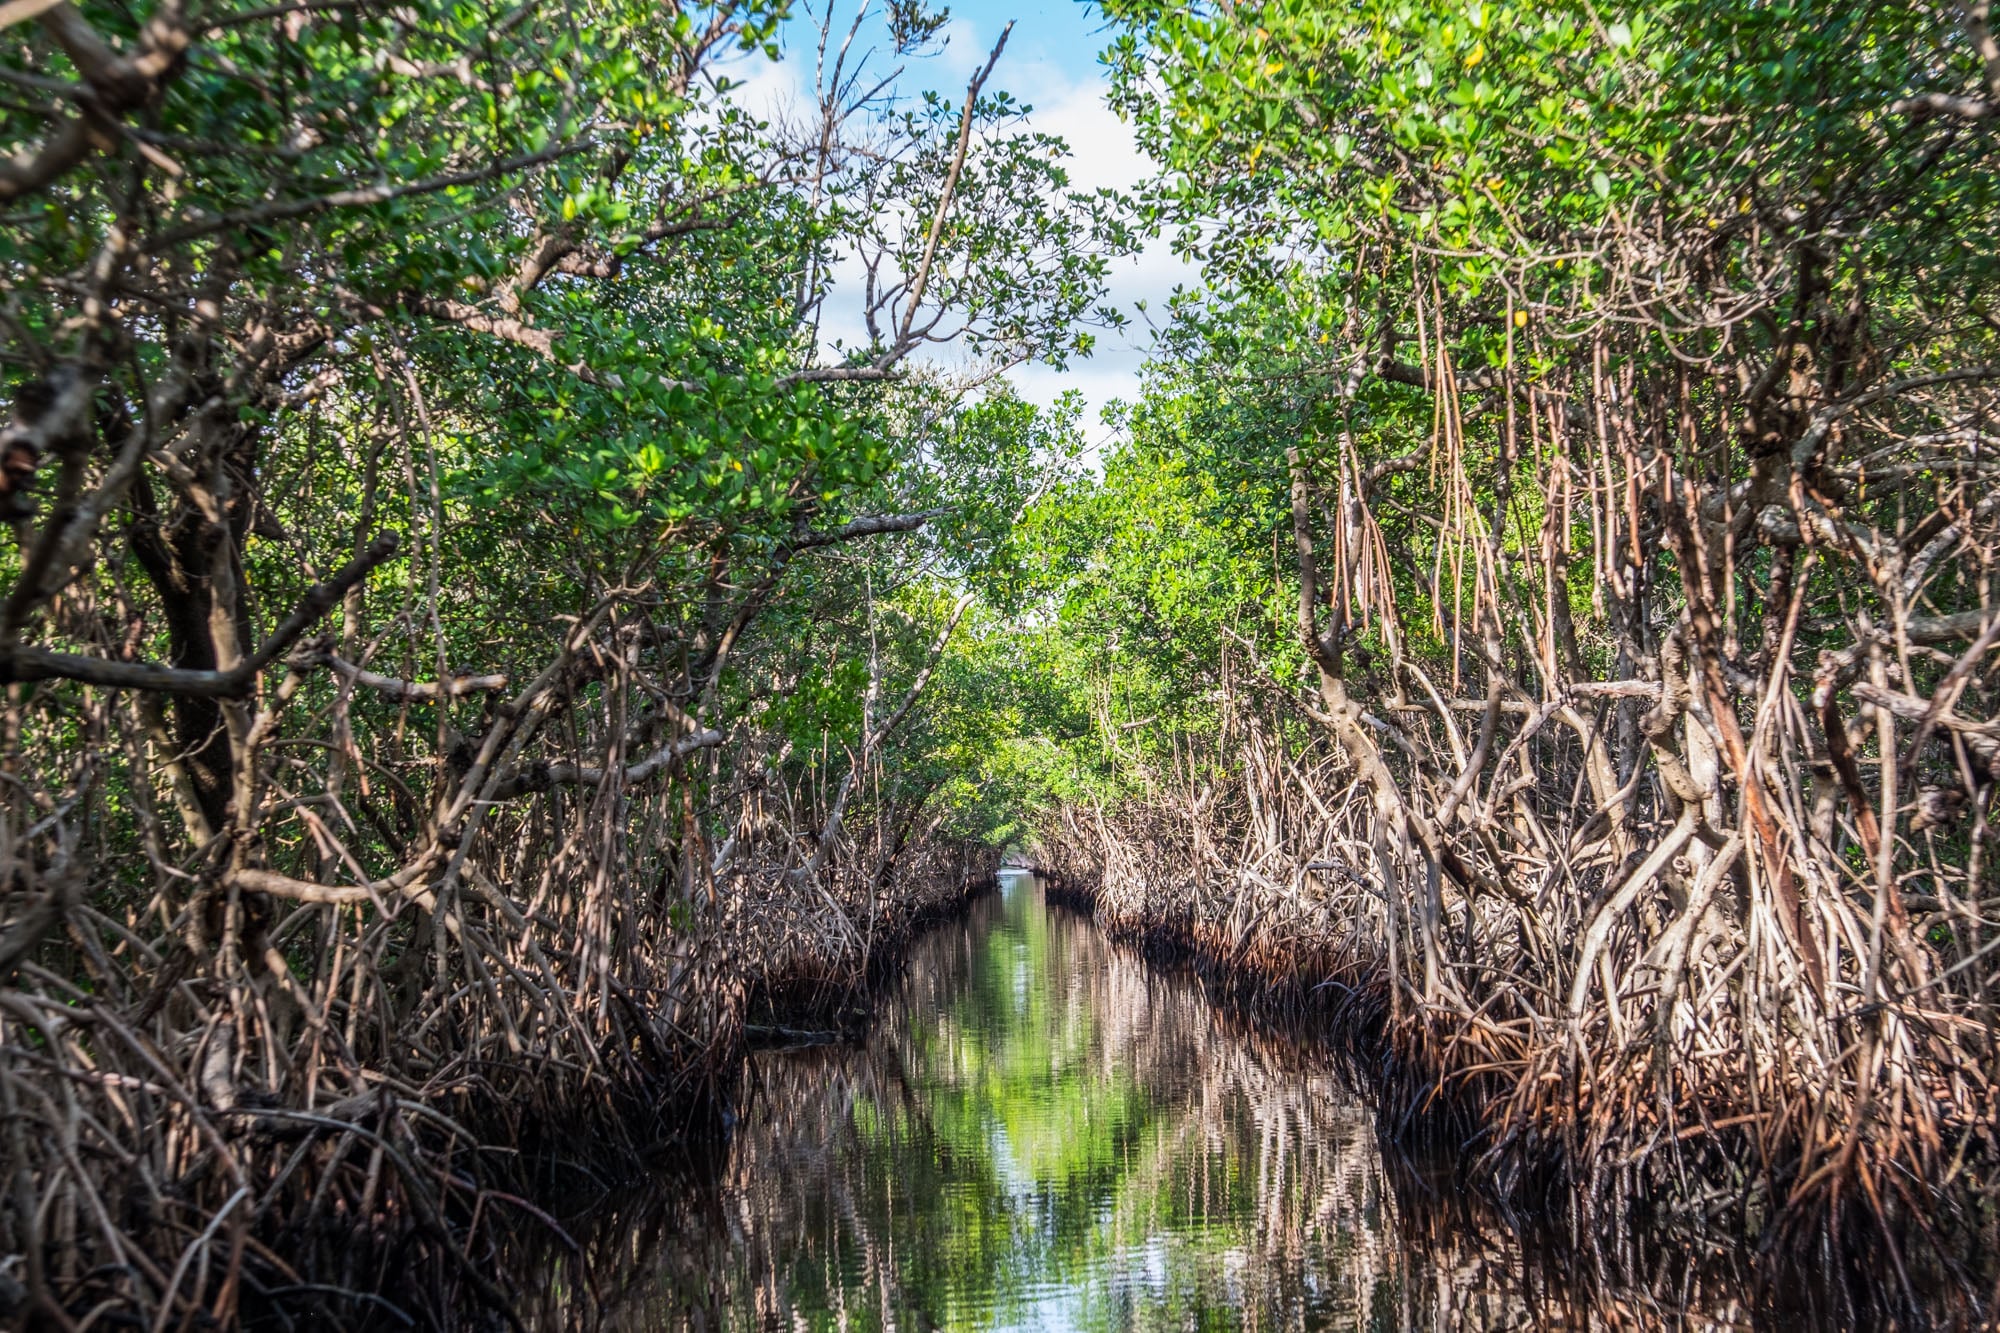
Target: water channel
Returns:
[1046, 1132]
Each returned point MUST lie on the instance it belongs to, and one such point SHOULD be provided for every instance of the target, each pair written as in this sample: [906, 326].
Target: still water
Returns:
[1045, 1132]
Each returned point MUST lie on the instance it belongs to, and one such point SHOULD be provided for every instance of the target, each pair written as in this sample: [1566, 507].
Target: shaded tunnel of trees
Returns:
[527, 568]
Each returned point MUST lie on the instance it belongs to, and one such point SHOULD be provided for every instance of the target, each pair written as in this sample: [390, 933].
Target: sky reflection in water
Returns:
[1045, 1133]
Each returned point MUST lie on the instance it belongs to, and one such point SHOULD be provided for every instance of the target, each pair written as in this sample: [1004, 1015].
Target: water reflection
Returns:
[1045, 1133]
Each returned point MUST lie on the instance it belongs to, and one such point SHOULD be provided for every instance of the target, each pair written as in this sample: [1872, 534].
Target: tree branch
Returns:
[455, 688]
[542, 776]
[23, 664]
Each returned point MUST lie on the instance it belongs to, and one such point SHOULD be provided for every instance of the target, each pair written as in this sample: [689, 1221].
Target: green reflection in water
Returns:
[1045, 1133]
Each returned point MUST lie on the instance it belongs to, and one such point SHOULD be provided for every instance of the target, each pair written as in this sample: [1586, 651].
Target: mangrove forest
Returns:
[585, 747]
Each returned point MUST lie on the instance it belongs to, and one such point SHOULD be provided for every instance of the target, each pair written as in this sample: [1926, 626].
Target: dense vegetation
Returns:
[479, 620]
[527, 569]
[1548, 593]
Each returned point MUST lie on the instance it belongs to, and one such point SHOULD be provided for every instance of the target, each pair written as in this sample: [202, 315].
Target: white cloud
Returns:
[1103, 154]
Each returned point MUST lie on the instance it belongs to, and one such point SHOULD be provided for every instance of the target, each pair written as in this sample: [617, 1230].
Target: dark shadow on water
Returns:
[1043, 1131]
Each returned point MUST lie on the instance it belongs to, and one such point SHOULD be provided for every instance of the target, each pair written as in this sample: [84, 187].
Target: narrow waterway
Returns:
[1046, 1132]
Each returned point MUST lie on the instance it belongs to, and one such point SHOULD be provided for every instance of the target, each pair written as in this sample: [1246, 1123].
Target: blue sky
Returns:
[1051, 63]
[1059, 37]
